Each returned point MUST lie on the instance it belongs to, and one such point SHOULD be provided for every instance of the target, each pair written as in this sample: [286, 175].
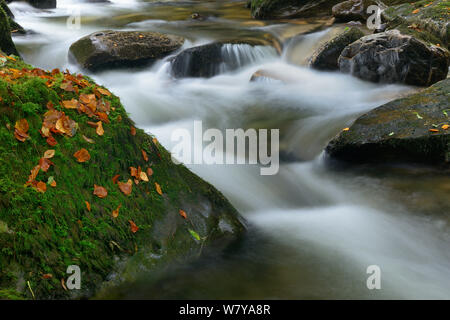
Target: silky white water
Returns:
[313, 230]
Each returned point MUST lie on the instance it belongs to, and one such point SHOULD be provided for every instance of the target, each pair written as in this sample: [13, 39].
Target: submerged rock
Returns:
[214, 58]
[276, 9]
[391, 57]
[326, 57]
[411, 129]
[115, 49]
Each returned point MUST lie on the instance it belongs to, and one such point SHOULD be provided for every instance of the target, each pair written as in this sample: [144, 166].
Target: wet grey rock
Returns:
[351, 10]
[116, 49]
[326, 57]
[392, 57]
[399, 131]
[282, 9]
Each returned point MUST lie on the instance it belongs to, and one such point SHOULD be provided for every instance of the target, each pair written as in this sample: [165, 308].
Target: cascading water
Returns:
[313, 231]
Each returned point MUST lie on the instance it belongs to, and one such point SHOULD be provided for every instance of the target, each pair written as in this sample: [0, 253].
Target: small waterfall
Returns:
[239, 55]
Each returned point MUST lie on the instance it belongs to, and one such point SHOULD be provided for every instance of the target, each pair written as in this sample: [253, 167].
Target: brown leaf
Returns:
[45, 164]
[144, 155]
[47, 276]
[149, 172]
[100, 192]
[158, 188]
[133, 131]
[33, 173]
[115, 213]
[19, 135]
[22, 125]
[143, 176]
[87, 98]
[49, 154]
[104, 92]
[134, 172]
[82, 155]
[51, 141]
[134, 228]
[53, 184]
[183, 214]
[88, 206]
[126, 187]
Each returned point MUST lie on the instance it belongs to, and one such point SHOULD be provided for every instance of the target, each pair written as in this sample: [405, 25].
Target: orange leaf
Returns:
[416, 11]
[53, 184]
[70, 104]
[22, 125]
[49, 154]
[45, 164]
[158, 188]
[51, 141]
[149, 172]
[100, 192]
[133, 131]
[34, 173]
[88, 206]
[126, 187]
[21, 136]
[143, 176]
[115, 213]
[41, 187]
[133, 226]
[134, 172]
[82, 155]
[183, 214]
[115, 178]
[434, 130]
[445, 126]
[104, 92]
[99, 129]
[47, 276]
[144, 155]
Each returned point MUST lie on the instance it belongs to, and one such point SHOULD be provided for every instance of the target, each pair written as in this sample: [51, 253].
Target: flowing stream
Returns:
[313, 229]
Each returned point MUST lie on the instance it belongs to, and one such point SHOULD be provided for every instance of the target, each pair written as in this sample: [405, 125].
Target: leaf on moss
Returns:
[158, 188]
[100, 192]
[126, 187]
[115, 178]
[88, 140]
[70, 104]
[144, 155]
[183, 214]
[82, 155]
[115, 213]
[149, 172]
[134, 228]
[49, 154]
[133, 131]
[88, 206]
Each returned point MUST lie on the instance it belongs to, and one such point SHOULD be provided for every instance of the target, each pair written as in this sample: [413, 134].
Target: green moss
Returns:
[49, 231]
[6, 43]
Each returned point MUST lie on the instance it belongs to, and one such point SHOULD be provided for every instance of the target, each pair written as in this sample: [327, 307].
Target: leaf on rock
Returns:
[134, 228]
[183, 214]
[194, 235]
[126, 187]
[100, 192]
[82, 155]
[158, 188]
[49, 154]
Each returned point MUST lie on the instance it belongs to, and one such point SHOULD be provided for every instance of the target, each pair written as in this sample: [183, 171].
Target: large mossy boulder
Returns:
[281, 9]
[356, 10]
[326, 57]
[79, 185]
[115, 49]
[392, 57]
[412, 129]
[426, 20]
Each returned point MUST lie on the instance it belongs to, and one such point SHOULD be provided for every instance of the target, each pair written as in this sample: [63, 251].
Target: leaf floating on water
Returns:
[49, 154]
[134, 228]
[100, 192]
[88, 206]
[194, 235]
[82, 155]
[158, 188]
[183, 214]
[115, 213]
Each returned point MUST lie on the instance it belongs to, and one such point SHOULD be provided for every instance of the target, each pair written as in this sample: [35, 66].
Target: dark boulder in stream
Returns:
[116, 49]
[6, 43]
[326, 57]
[212, 59]
[412, 129]
[41, 4]
[281, 9]
[393, 57]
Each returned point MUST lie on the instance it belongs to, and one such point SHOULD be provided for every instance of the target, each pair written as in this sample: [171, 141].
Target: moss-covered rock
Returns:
[52, 220]
[115, 49]
[413, 129]
[351, 10]
[277, 9]
[6, 43]
[426, 20]
[326, 57]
